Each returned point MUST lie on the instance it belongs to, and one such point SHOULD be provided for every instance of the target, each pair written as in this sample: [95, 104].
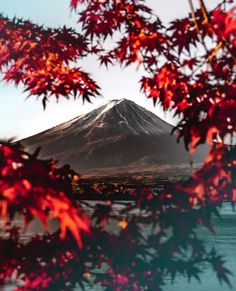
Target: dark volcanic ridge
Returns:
[119, 134]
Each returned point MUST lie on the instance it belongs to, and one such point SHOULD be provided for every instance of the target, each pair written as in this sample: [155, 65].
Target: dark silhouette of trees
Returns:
[190, 69]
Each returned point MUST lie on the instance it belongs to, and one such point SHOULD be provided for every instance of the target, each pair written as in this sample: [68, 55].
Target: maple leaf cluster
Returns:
[141, 39]
[216, 180]
[201, 90]
[33, 188]
[42, 60]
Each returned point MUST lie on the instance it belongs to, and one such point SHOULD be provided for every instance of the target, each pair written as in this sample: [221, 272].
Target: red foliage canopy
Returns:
[190, 66]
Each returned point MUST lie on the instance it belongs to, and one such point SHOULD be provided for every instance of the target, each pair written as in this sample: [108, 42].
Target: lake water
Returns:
[224, 242]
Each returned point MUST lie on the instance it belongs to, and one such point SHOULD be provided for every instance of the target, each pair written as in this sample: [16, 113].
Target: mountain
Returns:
[117, 134]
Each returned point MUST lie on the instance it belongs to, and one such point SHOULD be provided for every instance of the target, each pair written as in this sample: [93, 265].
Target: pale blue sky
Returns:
[20, 118]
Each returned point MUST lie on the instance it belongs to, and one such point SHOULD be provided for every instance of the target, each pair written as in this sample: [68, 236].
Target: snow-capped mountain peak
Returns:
[117, 134]
[125, 117]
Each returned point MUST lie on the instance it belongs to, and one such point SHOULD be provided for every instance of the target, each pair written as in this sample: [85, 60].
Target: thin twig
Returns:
[196, 25]
[194, 16]
[207, 19]
[204, 11]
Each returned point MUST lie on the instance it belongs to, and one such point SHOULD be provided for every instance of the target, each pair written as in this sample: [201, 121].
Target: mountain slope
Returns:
[117, 134]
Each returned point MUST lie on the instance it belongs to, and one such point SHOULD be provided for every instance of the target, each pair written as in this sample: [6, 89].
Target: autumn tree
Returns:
[190, 69]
